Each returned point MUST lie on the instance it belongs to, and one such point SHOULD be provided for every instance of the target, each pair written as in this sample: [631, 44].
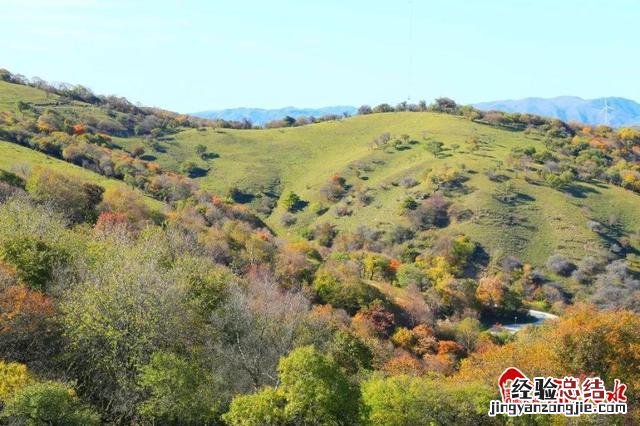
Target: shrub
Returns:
[324, 234]
[432, 212]
[288, 219]
[11, 179]
[27, 326]
[13, 377]
[343, 210]
[334, 189]
[77, 200]
[380, 319]
[409, 203]
[383, 108]
[408, 182]
[399, 234]
[560, 265]
[511, 263]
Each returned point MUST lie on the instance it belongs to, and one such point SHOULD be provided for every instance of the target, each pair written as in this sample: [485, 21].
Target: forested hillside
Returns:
[157, 268]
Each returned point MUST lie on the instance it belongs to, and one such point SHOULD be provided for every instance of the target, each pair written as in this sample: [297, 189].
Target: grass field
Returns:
[544, 220]
[10, 94]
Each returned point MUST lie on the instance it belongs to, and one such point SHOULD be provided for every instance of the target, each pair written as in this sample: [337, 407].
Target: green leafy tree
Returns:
[114, 322]
[435, 147]
[316, 390]
[409, 204]
[313, 391]
[467, 332]
[410, 275]
[405, 400]
[349, 352]
[189, 168]
[265, 408]
[33, 258]
[180, 393]
[292, 202]
[48, 403]
[349, 295]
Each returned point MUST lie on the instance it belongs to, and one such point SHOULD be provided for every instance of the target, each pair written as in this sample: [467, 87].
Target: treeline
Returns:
[592, 154]
[131, 120]
[514, 121]
[289, 121]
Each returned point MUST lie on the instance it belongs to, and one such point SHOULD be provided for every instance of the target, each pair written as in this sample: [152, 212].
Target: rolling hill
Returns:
[259, 167]
[273, 162]
[622, 112]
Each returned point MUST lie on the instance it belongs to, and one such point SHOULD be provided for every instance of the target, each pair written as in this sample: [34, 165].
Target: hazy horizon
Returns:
[196, 56]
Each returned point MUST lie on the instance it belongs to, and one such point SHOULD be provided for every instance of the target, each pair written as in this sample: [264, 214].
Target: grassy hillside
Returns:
[16, 157]
[10, 94]
[542, 221]
[265, 165]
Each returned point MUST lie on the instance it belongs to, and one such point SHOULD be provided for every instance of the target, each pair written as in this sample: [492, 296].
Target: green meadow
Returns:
[541, 222]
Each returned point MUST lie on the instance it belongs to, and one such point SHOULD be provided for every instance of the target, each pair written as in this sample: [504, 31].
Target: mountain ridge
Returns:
[261, 116]
[622, 111]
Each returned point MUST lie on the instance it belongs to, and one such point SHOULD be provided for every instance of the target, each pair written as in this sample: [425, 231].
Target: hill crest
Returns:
[622, 112]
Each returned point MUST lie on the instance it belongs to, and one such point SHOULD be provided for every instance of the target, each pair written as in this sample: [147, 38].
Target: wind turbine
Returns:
[606, 110]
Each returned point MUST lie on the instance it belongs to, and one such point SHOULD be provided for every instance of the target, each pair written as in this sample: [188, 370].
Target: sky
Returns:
[190, 56]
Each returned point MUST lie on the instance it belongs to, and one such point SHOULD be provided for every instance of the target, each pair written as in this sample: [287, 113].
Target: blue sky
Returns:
[195, 55]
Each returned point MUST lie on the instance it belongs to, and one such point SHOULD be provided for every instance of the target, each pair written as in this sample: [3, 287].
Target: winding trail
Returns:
[539, 316]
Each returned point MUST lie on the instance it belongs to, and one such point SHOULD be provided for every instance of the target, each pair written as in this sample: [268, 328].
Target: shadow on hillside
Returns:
[299, 206]
[198, 172]
[515, 199]
[612, 235]
[477, 154]
[210, 156]
[499, 178]
[242, 197]
[578, 190]
[148, 157]
[459, 190]
[479, 261]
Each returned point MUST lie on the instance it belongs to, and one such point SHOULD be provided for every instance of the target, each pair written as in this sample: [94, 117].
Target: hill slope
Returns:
[261, 167]
[623, 111]
[264, 163]
[16, 157]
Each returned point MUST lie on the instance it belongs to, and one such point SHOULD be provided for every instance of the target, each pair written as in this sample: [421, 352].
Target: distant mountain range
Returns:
[622, 112]
[261, 116]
